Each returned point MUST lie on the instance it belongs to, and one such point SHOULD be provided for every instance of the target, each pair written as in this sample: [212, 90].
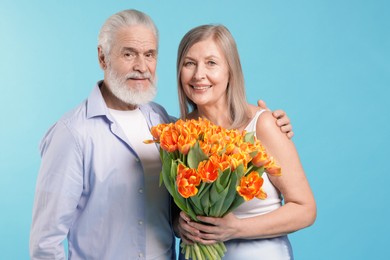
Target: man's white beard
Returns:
[133, 96]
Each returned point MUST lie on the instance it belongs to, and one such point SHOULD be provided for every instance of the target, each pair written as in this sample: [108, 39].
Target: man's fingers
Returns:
[290, 134]
[279, 113]
[262, 104]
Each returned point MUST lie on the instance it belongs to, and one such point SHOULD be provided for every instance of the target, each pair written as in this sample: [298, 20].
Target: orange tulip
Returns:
[273, 168]
[187, 179]
[223, 161]
[186, 188]
[185, 141]
[260, 159]
[216, 148]
[239, 158]
[261, 194]
[205, 147]
[250, 186]
[168, 140]
[156, 131]
[208, 171]
[231, 148]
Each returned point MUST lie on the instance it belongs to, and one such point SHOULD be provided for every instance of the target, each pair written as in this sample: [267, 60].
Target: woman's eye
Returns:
[189, 63]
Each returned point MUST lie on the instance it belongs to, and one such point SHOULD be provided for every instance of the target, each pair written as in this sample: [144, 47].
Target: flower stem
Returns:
[197, 252]
[205, 252]
[188, 251]
[213, 252]
[221, 249]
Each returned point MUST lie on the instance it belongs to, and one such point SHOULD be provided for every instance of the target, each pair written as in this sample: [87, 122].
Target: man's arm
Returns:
[58, 190]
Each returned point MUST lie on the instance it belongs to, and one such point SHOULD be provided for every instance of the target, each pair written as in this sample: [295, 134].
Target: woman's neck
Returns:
[218, 116]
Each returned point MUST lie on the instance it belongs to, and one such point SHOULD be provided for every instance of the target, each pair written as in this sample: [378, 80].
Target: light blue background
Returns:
[327, 63]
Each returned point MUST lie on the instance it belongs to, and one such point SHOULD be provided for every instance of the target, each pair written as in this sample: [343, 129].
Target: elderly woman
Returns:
[211, 85]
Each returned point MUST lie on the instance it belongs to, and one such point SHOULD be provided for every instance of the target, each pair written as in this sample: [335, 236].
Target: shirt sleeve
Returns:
[58, 190]
[172, 119]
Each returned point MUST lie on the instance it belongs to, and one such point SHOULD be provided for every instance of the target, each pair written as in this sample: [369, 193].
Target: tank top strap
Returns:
[251, 127]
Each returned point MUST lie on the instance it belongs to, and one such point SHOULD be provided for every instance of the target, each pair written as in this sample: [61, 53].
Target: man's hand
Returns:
[282, 119]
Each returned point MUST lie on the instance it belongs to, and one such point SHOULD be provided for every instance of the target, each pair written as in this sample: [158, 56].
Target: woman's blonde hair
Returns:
[236, 98]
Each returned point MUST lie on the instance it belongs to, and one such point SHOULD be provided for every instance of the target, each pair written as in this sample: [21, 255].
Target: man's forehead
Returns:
[137, 35]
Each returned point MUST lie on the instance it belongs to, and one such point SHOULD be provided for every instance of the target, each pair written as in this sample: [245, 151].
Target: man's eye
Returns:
[129, 54]
[211, 63]
[149, 55]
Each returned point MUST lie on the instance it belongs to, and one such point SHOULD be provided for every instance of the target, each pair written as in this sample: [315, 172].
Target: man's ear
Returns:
[102, 58]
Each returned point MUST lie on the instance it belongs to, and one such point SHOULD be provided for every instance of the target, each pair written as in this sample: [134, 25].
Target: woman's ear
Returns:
[102, 58]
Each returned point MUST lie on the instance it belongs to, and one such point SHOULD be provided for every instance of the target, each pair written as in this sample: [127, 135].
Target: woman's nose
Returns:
[199, 73]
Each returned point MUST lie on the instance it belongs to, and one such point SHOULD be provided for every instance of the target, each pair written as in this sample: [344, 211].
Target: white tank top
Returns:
[257, 206]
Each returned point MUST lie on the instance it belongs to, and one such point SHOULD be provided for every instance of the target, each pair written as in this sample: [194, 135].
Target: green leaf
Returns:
[214, 194]
[249, 137]
[167, 165]
[206, 202]
[238, 200]
[173, 173]
[259, 170]
[197, 204]
[230, 196]
[253, 154]
[180, 202]
[195, 156]
[219, 201]
[239, 171]
[190, 211]
[203, 189]
[223, 178]
[161, 179]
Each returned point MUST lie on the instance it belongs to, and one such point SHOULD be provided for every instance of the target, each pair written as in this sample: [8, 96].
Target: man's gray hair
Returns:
[119, 20]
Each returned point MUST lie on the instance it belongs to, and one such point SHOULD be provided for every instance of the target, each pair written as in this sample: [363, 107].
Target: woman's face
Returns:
[205, 74]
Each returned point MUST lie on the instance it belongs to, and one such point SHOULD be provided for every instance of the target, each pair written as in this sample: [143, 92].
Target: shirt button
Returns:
[141, 190]
[140, 255]
[140, 222]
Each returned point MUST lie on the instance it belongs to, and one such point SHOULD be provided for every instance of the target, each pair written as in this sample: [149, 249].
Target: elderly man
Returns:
[98, 185]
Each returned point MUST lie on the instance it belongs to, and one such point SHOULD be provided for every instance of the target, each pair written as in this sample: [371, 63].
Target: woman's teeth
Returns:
[201, 87]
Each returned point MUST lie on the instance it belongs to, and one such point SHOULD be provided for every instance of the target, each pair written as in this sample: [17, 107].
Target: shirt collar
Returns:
[95, 103]
[96, 106]
[153, 117]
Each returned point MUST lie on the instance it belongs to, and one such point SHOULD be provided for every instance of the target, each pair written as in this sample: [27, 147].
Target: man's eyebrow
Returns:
[131, 49]
[153, 51]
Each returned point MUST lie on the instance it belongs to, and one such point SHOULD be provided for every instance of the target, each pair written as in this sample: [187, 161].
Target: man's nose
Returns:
[140, 64]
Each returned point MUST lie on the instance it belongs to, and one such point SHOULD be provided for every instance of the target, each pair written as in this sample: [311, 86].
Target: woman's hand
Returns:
[210, 231]
[184, 230]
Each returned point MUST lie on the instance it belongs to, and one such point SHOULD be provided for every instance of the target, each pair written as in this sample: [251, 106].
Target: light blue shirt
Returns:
[91, 190]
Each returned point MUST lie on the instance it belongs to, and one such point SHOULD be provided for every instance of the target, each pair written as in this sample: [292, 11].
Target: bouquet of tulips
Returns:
[210, 171]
